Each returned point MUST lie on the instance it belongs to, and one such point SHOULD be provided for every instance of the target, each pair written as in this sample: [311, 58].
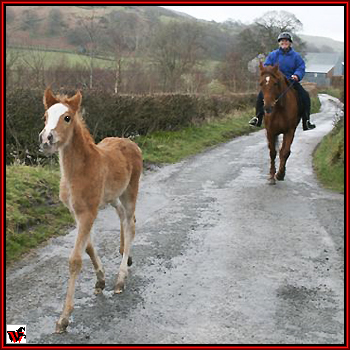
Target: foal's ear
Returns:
[261, 66]
[75, 101]
[49, 98]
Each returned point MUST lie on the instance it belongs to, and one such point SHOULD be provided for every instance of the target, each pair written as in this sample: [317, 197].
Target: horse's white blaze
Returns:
[267, 80]
[53, 115]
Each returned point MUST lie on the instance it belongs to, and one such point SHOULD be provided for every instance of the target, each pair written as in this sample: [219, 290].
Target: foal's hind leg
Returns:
[121, 213]
[272, 139]
[128, 203]
[284, 154]
[85, 221]
[100, 272]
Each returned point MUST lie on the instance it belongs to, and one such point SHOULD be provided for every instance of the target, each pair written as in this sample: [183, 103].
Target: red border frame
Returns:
[249, 2]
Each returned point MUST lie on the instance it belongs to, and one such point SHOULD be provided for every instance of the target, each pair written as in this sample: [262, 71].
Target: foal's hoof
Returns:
[119, 287]
[61, 325]
[98, 291]
[99, 287]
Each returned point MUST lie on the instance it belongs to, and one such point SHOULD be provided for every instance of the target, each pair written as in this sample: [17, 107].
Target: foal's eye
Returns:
[67, 118]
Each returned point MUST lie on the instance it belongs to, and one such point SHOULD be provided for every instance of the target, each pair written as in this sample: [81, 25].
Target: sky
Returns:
[317, 20]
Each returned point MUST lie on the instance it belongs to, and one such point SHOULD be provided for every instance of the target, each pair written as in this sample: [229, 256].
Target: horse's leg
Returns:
[128, 200]
[272, 139]
[85, 221]
[284, 154]
[96, 262]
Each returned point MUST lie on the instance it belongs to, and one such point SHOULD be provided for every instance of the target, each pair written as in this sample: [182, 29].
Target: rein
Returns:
[285, 91]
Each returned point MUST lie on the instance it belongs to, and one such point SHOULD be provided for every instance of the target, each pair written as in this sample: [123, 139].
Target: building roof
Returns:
[317, 62]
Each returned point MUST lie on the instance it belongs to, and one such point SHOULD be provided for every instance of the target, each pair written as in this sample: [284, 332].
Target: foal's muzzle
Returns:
[46, 142]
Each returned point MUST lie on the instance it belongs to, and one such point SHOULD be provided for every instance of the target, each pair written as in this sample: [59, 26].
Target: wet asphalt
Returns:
[219, 257]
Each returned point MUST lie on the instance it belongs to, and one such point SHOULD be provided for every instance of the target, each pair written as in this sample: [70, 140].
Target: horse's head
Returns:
[60, 115]
[271, 84]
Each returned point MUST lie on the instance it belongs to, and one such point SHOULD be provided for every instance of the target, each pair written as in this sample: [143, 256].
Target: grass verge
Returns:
[33, 210]
[328, 159]
[172, 146]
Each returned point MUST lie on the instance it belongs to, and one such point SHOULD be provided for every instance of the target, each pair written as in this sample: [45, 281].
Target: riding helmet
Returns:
[285, 35]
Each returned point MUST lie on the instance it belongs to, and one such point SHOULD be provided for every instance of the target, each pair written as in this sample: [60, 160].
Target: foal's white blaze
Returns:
[53, 115]
[267, 80]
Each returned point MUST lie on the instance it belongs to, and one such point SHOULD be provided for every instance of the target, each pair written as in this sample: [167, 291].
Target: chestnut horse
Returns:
[91, 177]
[281, 116]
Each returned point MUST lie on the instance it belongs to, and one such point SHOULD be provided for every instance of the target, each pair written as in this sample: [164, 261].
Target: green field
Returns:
[56, 58]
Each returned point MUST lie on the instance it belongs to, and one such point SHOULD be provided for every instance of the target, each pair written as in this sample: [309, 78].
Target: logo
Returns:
[16, 334]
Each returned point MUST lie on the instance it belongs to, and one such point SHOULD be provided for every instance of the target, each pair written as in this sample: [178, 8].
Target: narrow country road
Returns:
[220, 257]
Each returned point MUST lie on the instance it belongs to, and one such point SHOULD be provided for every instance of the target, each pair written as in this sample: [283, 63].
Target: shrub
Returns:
[111, 115]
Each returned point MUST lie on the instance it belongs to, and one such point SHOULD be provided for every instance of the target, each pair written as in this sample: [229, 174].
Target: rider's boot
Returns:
[307, 125]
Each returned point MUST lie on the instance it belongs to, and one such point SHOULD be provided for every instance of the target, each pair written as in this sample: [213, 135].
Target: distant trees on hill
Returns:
[149, 52]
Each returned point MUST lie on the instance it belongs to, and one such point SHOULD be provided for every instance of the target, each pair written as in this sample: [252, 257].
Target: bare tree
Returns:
[233, 73]
[273, 23]
[175, 50]
[12, 57]
[261, 37]
[122, 41]
[35, 62]
[55, 21]
[92, 27]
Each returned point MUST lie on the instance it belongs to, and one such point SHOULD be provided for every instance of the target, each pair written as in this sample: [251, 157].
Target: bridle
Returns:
[284, 92]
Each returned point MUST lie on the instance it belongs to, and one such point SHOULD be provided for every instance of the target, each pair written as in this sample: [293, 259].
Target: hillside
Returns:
[37, 25]
[322, 44]
[52, 26]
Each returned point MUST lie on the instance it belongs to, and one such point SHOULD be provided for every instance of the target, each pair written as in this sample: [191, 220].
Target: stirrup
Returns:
[254, 121]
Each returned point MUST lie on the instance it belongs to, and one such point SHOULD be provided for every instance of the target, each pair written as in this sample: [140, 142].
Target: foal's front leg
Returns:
[85, 221]
[99, 270]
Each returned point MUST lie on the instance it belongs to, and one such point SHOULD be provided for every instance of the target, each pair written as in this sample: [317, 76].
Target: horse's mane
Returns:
[80, 121]
[276, 74]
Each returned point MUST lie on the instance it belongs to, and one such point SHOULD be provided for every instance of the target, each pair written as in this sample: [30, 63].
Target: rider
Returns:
[293, 67]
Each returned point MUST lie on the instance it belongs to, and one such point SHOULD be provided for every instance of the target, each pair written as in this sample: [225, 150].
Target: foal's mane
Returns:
[80, 122]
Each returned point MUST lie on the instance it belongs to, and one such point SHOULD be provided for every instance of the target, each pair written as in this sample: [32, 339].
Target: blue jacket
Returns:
[289, 62]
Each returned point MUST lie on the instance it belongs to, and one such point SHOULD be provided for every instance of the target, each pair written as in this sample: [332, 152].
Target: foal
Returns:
[91, 177]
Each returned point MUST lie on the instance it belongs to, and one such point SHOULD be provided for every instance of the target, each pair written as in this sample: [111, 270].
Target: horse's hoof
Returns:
[280, 177]
[61, 325]
[272, 181]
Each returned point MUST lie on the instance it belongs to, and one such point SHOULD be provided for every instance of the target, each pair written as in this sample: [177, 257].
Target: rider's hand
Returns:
[295, 77]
